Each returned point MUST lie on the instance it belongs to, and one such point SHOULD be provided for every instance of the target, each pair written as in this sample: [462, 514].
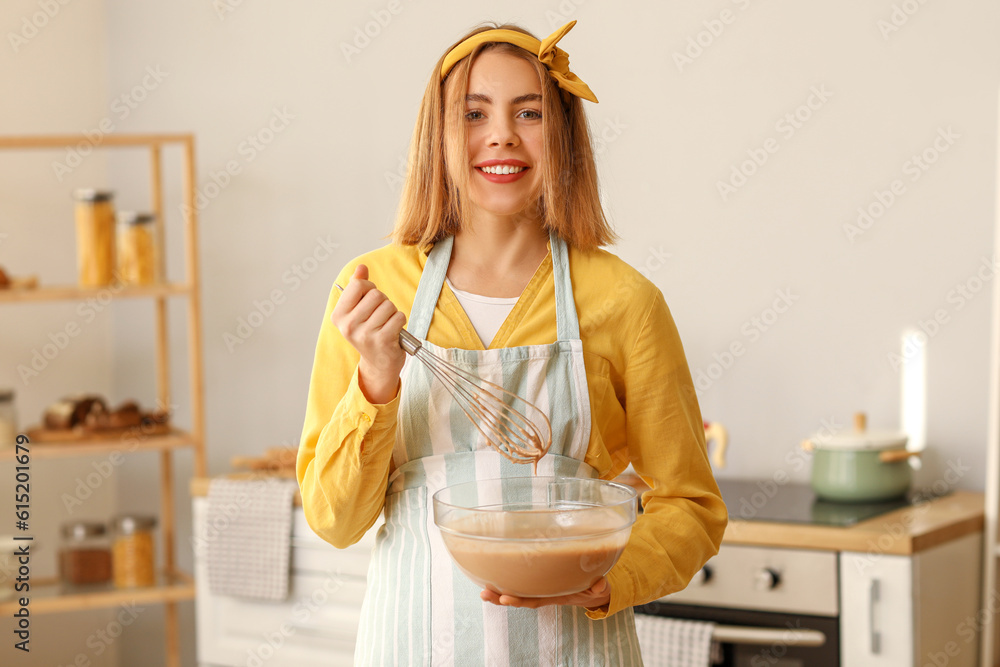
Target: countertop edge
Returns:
[903, 532]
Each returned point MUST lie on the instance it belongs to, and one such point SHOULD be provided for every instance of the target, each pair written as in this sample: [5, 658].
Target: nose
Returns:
[502, 132]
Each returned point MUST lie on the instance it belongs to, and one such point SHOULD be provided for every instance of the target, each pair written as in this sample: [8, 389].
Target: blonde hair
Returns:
[431, 205]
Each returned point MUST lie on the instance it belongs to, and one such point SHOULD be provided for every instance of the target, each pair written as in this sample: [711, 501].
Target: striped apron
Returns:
[420, 609]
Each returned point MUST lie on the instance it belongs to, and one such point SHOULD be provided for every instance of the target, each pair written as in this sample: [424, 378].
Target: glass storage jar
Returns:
[95, 237]
[132, 555]
[8, 419]
[136, 248]
[84, 554]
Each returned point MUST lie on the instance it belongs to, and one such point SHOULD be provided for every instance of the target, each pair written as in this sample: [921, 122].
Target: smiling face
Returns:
[503, 121]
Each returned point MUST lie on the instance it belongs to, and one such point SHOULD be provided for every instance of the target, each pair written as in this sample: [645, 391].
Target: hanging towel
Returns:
[248, 536]
[669, 642]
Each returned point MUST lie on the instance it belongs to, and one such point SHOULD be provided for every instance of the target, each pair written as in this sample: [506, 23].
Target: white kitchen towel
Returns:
[669, 642]
[248, 537]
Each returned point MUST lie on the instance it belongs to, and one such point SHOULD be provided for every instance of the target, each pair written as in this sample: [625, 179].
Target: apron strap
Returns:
[429, 288]
[567, 322]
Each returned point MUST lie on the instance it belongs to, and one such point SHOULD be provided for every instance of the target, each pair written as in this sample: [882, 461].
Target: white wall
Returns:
[339, 128]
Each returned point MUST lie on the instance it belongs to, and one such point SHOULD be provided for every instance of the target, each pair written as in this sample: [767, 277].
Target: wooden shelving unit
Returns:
[172, 586]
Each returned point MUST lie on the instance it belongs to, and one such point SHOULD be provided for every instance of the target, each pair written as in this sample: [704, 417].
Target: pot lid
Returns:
[855, 440]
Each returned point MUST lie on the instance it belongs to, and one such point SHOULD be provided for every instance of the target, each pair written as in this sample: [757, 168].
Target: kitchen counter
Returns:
[905, 531]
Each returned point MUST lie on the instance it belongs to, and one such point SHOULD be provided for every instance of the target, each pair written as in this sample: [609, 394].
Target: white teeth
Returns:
[502, 169]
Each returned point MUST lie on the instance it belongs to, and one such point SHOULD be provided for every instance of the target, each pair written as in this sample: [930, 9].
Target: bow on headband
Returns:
[550, 55]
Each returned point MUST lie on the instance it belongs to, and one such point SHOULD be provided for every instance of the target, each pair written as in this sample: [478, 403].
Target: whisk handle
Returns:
[407, 341]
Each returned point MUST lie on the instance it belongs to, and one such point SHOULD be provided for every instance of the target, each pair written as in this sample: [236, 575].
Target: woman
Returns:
[496, 262]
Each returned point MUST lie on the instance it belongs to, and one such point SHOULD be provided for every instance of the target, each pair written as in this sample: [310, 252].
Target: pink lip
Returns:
[494, 163]
[502, 178]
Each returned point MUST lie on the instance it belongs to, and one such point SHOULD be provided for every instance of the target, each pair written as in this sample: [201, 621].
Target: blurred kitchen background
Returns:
[805, 182]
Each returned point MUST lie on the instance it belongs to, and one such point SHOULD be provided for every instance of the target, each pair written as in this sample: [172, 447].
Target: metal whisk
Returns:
[522, 437]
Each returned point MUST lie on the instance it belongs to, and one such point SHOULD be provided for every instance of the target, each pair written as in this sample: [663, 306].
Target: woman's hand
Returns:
[597, 595]
[371, 323]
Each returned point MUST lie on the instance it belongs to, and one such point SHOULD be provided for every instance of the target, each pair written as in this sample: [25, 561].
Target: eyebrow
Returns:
[486, 99]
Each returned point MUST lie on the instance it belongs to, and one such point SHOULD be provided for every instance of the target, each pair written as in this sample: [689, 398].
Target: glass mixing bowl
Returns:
[535, 536]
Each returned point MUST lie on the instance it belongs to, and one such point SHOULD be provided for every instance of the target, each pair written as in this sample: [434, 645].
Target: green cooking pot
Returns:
[860, 466]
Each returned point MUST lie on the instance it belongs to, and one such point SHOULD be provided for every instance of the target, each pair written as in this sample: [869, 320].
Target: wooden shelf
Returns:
[175, 586]
[66, 140]
[127, 444]
[48, 596]
[72, 293]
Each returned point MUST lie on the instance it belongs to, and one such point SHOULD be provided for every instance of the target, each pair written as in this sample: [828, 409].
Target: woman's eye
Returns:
[473, 115]
[531, 114]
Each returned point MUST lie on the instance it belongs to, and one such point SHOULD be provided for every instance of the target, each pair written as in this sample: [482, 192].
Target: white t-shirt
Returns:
[487, 313]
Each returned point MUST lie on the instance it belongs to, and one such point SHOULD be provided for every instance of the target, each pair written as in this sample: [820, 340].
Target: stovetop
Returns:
[766, 500]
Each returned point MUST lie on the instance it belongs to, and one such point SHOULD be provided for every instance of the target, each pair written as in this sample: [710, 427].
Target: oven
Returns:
[772, 607]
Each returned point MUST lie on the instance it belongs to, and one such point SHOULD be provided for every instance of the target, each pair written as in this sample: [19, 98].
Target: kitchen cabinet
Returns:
[899, 589]
[911, 610]
[172, 585]
[316, 626]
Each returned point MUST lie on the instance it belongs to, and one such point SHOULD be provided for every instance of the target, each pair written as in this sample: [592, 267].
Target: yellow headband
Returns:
[554, 58]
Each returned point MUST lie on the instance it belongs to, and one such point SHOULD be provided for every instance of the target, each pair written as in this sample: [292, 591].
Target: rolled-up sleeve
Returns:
[346, 447]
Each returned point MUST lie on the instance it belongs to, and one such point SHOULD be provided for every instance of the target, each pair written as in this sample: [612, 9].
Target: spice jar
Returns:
[85, 554]
[136, 248]
[95, 237]
[132, 555]
[8, 419]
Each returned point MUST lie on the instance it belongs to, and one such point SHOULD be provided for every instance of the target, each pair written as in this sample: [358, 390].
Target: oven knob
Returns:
[702, 576]
[767, 579]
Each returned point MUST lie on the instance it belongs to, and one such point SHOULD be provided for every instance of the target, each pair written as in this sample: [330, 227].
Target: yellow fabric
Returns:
[550, 55]
[642, 400]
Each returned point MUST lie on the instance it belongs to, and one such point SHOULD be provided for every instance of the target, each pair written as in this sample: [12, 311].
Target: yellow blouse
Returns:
[643, 406]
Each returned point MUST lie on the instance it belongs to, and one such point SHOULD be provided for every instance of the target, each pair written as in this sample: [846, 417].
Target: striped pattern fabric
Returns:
[406, 622]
